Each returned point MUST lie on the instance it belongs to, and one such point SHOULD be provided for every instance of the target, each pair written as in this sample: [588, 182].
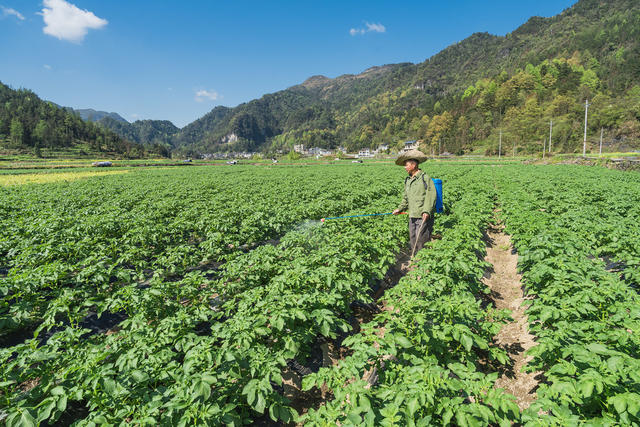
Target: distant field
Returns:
[41, 178]
[68, 160]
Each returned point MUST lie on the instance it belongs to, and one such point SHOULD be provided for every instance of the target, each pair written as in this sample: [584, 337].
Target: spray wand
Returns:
[359, 216]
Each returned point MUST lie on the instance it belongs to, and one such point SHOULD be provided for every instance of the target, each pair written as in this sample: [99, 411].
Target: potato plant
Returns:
[182, 296]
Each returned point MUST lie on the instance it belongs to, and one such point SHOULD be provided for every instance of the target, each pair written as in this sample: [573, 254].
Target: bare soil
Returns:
[507, 292]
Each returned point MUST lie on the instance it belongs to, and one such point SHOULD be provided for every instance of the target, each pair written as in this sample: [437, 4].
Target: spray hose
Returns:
[358, 216]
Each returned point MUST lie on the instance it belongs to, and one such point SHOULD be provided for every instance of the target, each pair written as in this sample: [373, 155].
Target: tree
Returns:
[525, 122]
[41, 133]
[590, 79]
[463, 132]
[16, 133]
[439, 127]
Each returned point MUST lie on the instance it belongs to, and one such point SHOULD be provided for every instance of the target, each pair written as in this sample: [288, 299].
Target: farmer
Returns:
[419, 199]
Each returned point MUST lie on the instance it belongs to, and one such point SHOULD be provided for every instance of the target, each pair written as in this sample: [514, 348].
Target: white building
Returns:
[299, 148]
[317, 151]
[410, 145]
[364, 153]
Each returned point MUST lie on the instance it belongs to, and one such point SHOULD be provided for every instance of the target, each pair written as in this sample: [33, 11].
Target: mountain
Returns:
[153, 134]
[29, 123]
[462, 96]
[146, 132]
[310, 105]
[91, 115]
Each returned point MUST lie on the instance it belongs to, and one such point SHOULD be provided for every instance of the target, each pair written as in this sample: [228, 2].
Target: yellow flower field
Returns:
[42, 178]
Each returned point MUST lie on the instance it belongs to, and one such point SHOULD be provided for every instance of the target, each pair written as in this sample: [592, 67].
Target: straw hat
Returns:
[417, 155]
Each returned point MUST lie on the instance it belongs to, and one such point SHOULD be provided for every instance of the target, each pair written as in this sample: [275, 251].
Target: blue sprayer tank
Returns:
[438, 183]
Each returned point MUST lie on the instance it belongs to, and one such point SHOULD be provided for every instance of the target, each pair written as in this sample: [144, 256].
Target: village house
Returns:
[365, 152]
[410, 145]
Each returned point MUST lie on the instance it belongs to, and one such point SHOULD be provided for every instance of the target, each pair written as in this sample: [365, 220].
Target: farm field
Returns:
[213, 295]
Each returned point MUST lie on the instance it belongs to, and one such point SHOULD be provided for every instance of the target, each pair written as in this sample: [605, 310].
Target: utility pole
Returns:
[584, 143]
[438, 148]
[550, 132]
[601, 130]
[544, 147]
[500, 146]
[514, 148]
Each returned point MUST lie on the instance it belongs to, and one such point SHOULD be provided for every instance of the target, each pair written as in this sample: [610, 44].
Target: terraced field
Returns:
[214, 295]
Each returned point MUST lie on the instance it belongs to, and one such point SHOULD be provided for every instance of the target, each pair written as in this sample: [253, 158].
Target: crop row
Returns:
[209, 351]
[586, 319]
[65, 250]
[601, 205]
[420, 361]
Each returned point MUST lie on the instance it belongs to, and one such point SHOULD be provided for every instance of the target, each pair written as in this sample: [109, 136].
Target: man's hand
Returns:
[396, 212]
[425, 216]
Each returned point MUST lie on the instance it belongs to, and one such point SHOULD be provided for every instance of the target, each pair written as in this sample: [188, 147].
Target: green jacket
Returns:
[417, 199]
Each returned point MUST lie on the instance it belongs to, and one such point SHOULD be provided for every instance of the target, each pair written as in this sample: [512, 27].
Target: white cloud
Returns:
[371, 28]
[201, 95]
[378, 28]
[68, 22]
[6, 11]
[47, 66]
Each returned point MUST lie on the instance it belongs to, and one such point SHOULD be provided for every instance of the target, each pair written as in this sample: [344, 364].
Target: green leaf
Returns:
[586, 388]
[403, 341]
[446, 417]
[260, 404]
[467, 342]
[100, 419]
[597, 348]
[57, 391]
[209, 379]
[307, 383]
[273, 412]
[203, 390]
[109, 386]
[619, 402]
[62, 403]
[279, 324]
[44, 412]
[139, 376]
[325, 329]
[26, 419]
[365, 403]
[355, 418]
[412, 406]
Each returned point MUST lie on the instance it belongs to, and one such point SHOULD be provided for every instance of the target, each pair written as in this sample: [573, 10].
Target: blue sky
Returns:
[177, 60]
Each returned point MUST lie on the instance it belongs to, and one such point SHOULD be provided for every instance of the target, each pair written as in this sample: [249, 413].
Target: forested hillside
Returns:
[29, 123]
[462, 96]
[154, 135]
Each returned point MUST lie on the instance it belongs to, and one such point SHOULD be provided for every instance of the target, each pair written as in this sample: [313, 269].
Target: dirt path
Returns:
[506, 291]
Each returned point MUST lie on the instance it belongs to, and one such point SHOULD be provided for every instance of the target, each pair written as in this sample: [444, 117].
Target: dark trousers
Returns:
[418, 238]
